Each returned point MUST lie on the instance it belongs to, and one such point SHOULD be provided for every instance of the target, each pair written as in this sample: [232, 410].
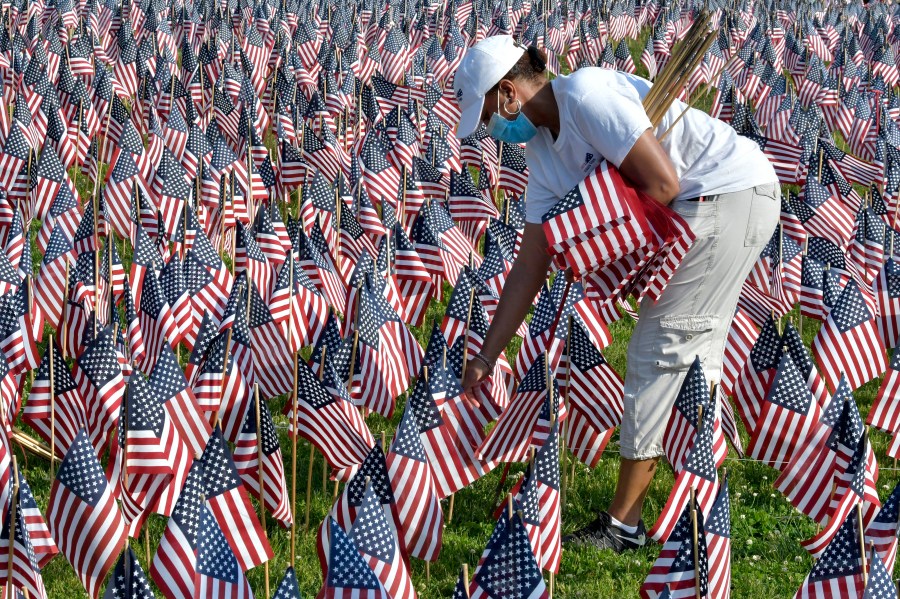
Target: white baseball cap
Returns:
[483, 66]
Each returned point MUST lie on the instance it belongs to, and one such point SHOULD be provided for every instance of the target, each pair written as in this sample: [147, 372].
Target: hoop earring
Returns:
[518, 107]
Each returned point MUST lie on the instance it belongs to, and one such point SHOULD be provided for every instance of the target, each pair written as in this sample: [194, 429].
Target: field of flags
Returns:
[229, 226]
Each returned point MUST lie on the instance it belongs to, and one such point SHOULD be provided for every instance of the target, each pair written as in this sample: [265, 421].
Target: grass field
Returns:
[768, 561]
[767, 558]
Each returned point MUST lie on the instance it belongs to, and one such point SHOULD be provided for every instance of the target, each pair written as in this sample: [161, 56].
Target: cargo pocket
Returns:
[683, 338]
[761, 219]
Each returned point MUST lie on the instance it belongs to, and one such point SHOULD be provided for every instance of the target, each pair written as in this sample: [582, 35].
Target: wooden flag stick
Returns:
[466, 341]
[694, 533]
[50, 348]
[862, 543]
[259, 469]
[294, 408]
[12, 524]
[465, 574]
[309, 475]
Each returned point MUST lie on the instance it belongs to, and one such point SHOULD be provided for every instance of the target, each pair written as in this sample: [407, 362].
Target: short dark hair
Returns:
[531, 65]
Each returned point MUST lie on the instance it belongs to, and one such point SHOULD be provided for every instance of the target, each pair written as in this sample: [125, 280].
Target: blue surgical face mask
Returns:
[517, 131]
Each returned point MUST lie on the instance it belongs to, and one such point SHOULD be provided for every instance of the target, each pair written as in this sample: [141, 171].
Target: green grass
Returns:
[768, 560]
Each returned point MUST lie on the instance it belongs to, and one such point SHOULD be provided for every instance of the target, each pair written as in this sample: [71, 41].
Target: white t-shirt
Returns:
[601, 116]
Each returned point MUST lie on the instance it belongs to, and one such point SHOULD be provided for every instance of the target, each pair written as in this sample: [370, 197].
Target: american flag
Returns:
[26, 571]
[150, 437]
[848, 496]
[513, 175]
[697, 475]
[683, 425]
[174, 564]
[45, 548]
[839, 570]
[547, 478]
[349, 575]
[418, 506]
[450, 432]
[50, 284]
[387, 353]
[371, 475]
[323, 421]
[788, 419]
[882, 531]
[883, 414]
[676, 571]
[17, 333]
[374, 536]
[98, 375]
[272, 358]
[289, 587]
[128, 580]
[841, 427]
[878, 583]
[887, 295]
[83, 516]
[509, 441]
[157, 322]
[63, 397]
[848, 342]
[257, 440]
[594, 395]
[219, 572]
[717, 528]
[175, 291]
[228, 501]
[510, 569]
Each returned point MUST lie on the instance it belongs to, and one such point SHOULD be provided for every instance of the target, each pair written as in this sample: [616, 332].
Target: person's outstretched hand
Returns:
[476, 373]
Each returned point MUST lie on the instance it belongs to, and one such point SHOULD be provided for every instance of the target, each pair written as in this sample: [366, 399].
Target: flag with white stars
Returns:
[881, 533]
[348, 570]
[675, 569]
[99, 377]
[219, 573]
[83, 516]
[175, 562]
[421, 517]
[718, 544]
[510, 569]
[254, 444]
[879, 584]
[229, 502]
[288, 588]
[788, 417]
[26, 571]
[128, 580]
[849, 331]
[697, 477]
[838, 572]
[374, 536]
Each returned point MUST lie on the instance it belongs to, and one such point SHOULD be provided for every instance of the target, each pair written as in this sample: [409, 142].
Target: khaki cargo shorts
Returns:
[694, 314]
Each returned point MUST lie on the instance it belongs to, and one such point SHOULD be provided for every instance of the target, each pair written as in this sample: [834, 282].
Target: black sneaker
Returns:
[602, 534]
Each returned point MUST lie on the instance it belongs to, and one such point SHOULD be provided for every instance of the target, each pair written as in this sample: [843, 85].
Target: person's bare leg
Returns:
[635, 477]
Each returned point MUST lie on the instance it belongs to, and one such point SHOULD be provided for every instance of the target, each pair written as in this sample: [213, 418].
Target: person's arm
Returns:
[649, 169]
[527, 275]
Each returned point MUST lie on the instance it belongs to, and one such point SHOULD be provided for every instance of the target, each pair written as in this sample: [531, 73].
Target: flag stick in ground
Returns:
[294, 408]
[12, 527]
[563, 481]
[353, 347]
[312, 449]
[65, 322]
[52, 412]
[259, 468]
[694, 527]
[215, 420]
[465, 573]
